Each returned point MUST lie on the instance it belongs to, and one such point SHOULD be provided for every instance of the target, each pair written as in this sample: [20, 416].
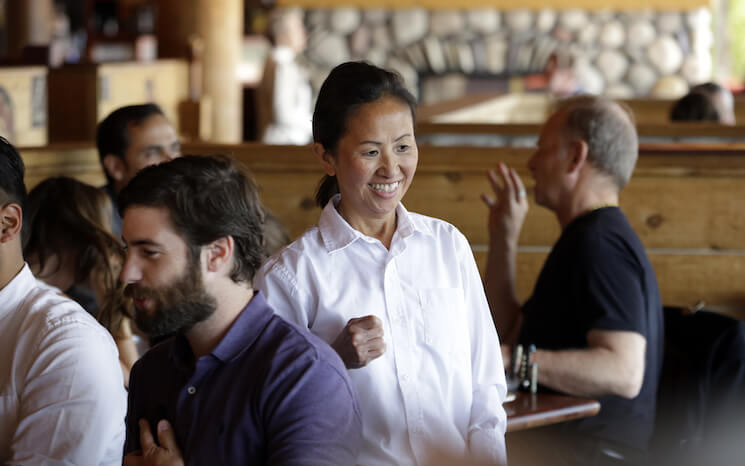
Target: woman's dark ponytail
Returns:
[327, 188]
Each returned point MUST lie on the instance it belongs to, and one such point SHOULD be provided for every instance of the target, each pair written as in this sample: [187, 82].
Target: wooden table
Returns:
[541, 409]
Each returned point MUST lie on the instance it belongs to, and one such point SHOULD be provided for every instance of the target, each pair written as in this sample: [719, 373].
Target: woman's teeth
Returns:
[386, 188]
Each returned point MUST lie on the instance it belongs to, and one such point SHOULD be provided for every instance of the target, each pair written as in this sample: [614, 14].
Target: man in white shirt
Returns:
[62, 398]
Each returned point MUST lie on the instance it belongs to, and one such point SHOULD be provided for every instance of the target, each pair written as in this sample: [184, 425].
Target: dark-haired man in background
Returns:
[236, 384]
[62, 398]
[129, 139]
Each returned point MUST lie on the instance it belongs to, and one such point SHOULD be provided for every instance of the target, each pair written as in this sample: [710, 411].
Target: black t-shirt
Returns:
[598, 276]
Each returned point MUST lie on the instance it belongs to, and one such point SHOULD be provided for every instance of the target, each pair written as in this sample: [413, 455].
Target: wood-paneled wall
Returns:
[686, 205]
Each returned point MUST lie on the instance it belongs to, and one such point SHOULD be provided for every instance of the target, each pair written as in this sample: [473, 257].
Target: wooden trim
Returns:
[650, 112]
[426, 112]
[505, 4]
[666, 130]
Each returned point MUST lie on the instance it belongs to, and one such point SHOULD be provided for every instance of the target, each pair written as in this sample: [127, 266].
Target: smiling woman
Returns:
[396, 294]
[373, 164]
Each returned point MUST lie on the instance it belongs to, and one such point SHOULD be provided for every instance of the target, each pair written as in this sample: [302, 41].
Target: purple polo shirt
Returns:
[269, 393]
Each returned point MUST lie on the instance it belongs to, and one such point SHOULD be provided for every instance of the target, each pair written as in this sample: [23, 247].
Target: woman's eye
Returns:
[372, 153]
[403, 147]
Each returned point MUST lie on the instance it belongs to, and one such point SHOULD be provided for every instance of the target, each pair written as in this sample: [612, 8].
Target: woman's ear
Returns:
[328, 162]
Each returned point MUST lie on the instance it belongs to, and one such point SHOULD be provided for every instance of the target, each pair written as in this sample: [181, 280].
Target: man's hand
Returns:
[360, 342]
[506, 212]
[167, 454]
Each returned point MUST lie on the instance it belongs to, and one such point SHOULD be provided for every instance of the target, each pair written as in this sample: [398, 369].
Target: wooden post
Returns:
[29, 22]
[220, 25]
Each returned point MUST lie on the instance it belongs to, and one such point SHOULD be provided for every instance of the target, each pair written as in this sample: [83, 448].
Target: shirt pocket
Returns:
[442, 326]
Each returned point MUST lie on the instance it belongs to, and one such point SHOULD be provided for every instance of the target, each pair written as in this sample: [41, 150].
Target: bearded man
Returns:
[235, 384]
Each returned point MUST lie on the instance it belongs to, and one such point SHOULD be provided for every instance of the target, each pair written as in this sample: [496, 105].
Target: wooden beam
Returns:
[220, 24]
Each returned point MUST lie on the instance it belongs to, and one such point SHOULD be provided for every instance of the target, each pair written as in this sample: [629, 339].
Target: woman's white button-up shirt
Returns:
[440, 384]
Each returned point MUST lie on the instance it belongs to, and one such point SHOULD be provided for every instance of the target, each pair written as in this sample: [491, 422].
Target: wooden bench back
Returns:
[685, 202]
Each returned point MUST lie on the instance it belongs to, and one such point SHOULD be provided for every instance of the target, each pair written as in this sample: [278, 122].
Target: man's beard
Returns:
[178, 307]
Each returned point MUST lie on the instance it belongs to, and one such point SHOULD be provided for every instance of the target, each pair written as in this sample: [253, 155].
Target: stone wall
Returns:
[621, 54]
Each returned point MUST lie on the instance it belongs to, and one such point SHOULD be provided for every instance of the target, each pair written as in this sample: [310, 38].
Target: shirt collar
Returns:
[16, 291]
[242, 334]
[246, 328]
[337, 234]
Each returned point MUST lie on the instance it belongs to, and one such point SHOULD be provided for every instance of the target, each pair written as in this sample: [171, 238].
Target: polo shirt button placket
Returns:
[191, 390]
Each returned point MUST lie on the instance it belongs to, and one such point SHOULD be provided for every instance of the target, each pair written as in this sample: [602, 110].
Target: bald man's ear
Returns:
[578, 155]
[11, 222]
[114, 166]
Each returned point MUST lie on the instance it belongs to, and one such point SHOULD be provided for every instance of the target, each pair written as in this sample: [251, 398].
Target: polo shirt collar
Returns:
[245, 330]
[242, 334]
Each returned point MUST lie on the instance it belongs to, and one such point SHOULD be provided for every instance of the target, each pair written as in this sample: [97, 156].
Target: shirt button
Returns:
[404, 378]
[191, 390]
